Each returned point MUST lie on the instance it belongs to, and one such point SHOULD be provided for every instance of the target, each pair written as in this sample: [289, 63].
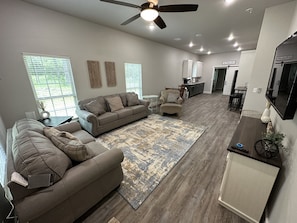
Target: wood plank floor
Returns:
[190, 191]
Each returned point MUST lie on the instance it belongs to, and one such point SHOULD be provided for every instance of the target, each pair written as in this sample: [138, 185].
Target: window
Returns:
[52, 83]
[133, 76]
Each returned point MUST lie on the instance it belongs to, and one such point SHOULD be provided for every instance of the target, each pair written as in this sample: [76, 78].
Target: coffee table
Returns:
[56, 120]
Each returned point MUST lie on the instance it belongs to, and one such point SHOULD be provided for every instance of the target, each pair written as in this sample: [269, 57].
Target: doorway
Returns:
[224, 79]
[219, 80]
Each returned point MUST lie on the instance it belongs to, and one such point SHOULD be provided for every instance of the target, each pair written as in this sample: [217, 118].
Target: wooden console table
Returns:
[248, 177]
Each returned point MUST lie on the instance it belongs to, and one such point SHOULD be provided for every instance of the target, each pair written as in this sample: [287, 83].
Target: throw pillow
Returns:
[115, 103]
[95, 107]
[132, 99]
[172, 98]
[71, 147]
[50, 131]
[124, 98]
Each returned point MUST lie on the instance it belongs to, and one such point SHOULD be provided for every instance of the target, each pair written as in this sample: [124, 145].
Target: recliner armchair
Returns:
[171, 102]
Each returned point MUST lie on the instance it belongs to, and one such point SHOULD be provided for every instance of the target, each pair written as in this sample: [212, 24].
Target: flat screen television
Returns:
[282, 87]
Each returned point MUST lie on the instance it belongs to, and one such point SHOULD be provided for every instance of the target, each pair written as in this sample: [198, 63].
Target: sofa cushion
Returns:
[107, 118]
[27, 124]
[132, 99]
[33, 153]
[95, 107]
[114, 103]
[72, 147]
[96, 148]
[138, 109]
[124, 112]
[172, 97]
[83, 136]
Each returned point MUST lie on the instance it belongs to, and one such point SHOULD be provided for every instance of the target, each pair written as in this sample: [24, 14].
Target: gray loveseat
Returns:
[77, 185]
[104, 113]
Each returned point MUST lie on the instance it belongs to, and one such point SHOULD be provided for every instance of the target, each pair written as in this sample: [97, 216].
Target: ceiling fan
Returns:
[150, 10]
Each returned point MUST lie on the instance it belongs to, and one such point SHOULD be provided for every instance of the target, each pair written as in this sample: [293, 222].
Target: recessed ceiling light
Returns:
[239, 48]
[209, 52]
[177, 39]
[235, 44]
[228, 2]
[249, 10]
[191, 44]
[201, 49]
[198, 34]
[231, 37]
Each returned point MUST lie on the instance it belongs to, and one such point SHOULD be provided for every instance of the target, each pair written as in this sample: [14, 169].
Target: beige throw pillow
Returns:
[132, 99]
[172, 98]
[115, 103]
[50, 131]
[73, 148]
[95, 107]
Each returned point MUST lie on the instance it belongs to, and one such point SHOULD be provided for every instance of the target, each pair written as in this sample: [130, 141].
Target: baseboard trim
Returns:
[236, 211]
[206, 92]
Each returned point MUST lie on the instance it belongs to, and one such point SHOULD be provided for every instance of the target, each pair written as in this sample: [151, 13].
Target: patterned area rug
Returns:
[152, 147]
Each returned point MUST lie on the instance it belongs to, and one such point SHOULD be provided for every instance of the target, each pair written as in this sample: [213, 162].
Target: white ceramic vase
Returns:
[44, 114]
[265, 118]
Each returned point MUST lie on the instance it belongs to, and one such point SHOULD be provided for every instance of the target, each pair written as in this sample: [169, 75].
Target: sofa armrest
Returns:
[144, 102]
[75, 179]
[179, 100]
[88, 116]
[162, 100]
[18, 192]
[92, 169]
[69, 127]
[88, 121]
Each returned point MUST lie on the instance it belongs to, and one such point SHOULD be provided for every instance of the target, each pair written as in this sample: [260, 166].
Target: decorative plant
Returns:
[276, 138]
[41, 105]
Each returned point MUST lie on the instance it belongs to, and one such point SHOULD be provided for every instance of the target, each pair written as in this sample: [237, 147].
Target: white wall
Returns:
[246, 62]
[279, 22]
[212, 61]
[28, 28]
[274, 30]
[284, 208]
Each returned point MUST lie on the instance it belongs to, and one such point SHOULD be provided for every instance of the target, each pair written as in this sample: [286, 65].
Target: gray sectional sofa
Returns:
[81, 170]
[104, 113]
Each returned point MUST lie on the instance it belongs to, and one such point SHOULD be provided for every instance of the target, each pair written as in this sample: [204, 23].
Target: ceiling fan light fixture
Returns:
[149, 14]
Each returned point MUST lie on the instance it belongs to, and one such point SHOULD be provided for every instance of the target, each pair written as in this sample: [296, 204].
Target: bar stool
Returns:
[235, 101]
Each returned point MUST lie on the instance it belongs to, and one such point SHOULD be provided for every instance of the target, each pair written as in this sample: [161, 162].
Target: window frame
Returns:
[53, 108]
[138, 85]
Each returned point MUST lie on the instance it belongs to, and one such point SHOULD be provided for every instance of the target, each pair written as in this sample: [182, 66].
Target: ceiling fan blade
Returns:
[121, 3]
[160, 22]
[131, 19]
[178, 8]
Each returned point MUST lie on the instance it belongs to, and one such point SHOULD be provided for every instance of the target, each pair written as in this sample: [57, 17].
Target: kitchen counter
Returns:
[195, 88]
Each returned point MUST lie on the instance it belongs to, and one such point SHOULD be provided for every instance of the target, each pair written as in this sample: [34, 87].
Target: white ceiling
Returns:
[208, 27]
